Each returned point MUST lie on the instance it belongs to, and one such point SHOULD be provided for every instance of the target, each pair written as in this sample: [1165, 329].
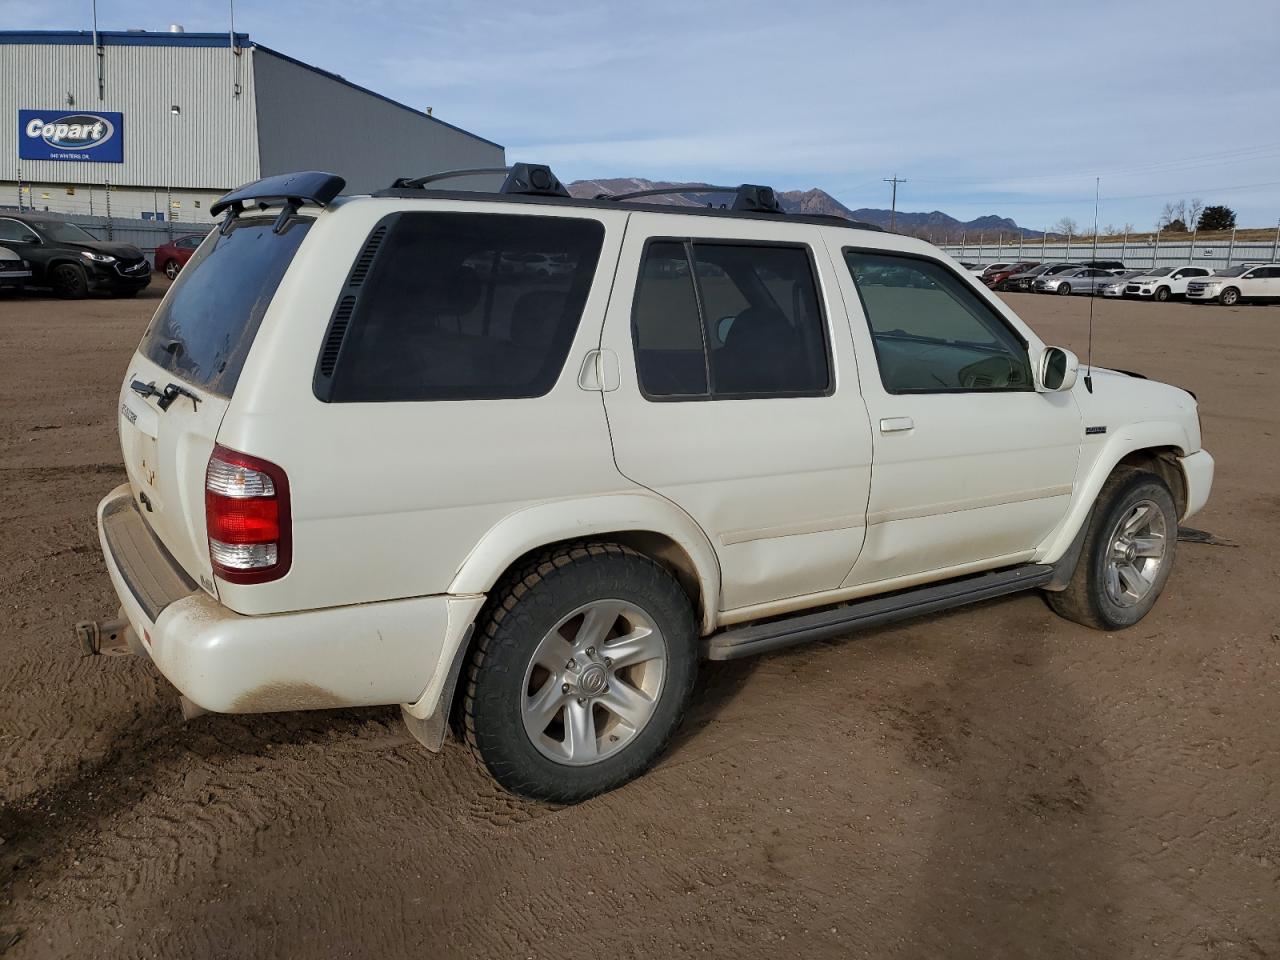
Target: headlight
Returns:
[100, 257]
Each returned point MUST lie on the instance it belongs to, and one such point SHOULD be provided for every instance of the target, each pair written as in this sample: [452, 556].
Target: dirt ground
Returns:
[992, 782]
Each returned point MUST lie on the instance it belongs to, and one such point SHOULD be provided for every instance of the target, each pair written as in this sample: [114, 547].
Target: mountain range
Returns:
[939, 225]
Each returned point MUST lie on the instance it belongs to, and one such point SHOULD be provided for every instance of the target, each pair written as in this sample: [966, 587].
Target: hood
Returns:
[121, 251]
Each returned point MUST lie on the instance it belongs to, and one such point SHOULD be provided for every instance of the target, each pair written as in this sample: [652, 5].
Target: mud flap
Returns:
[430, 731]
[1065, 568]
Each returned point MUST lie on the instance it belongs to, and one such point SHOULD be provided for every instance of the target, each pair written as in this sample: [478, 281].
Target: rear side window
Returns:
[203, 331]
[466, 306]
[715, 320]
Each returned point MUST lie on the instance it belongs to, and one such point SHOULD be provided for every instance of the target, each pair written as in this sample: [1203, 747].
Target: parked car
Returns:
[997, 279]
[1024, 282]
[1161, 283]
[361, 474]
[1111, 266]
[14, 271]
[70, 260]
[1074, 280]
[171, 257]
[1119, 281]
[1257, 282]
[977, 269]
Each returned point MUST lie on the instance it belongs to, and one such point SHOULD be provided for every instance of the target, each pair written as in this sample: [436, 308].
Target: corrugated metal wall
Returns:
[212, 143]
[1214, 254]
[308, 121]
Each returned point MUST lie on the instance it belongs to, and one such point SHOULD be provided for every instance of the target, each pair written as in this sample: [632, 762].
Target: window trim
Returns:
[689, 244]
[866, 316]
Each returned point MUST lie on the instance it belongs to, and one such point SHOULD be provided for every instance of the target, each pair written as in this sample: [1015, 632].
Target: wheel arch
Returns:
[648, 524]
[1155, 446]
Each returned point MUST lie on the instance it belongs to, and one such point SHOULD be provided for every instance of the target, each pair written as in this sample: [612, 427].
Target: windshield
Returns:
[205, 327]
[1036, 271]
[62, 231]
[1233, 271]
[1160, 272]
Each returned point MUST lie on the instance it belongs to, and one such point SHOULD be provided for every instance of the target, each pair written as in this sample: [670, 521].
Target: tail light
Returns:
[246, 509]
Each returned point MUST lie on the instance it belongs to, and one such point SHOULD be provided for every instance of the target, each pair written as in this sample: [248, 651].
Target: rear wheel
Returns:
[1064, 289]
[69, 281]
[583, 667]
[1162, 294]
[171, 268]
[1127, 554]
[1229, 297]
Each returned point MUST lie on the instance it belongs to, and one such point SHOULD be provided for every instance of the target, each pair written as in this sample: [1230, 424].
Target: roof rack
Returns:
[529, 179]
[751, 197]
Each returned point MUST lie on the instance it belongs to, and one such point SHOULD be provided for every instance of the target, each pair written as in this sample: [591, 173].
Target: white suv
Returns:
[1231, 286]
[371, 462]
[1165, 282]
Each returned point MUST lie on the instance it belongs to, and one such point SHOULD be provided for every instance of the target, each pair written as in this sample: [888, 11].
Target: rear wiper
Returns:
[169, 394]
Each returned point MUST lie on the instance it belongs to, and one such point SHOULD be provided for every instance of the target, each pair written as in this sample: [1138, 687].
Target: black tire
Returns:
[1162, 294]
[1064, 289]
[1229, 297]
[523, 609]
[1086, 600]
[69, 282]
[171, 268]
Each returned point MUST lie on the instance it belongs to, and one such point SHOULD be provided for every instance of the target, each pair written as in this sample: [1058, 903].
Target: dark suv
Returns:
[70, 260]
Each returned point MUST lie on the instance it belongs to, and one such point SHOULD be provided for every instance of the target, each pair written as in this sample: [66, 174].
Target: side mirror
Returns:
[1058, 369]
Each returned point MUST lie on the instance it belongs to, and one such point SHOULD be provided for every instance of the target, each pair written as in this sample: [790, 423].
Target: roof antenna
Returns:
[1093, 290]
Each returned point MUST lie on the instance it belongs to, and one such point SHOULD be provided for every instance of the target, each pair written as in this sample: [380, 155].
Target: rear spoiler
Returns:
[291, 190]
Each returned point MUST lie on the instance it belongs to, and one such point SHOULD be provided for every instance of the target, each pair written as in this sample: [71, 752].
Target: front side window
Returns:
[468, 306]
[16, 232]
[932, 333]
[718, 320]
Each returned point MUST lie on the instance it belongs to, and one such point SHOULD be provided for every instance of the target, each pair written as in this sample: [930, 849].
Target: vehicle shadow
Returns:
[1018, 862]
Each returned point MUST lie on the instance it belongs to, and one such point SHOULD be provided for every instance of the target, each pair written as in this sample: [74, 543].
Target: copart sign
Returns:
[82, 137]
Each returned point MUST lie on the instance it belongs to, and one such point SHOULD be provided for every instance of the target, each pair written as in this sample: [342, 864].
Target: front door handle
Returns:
[896, 424]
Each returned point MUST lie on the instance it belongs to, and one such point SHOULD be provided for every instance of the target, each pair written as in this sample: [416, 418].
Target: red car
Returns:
[994, 279]
[173, 256]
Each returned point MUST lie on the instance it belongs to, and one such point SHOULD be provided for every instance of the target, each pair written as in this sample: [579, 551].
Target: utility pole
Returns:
[893, 204]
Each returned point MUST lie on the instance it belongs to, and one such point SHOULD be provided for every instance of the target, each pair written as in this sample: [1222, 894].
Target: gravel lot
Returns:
[993, 782]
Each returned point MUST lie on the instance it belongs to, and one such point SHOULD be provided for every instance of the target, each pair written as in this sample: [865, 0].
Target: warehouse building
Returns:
[157, 125]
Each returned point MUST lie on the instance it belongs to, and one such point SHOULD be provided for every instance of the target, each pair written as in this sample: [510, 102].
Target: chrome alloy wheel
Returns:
[593, 682]
[1136, 552]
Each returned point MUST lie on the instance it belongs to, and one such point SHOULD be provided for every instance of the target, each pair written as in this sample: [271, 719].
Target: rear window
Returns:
[203, 331]
[467, 306]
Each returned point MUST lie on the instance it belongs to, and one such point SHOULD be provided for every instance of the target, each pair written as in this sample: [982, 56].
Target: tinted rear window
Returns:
[203, 331]
[468, 306]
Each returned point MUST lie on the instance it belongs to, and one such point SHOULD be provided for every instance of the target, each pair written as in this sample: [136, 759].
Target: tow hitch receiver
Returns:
[109, 638]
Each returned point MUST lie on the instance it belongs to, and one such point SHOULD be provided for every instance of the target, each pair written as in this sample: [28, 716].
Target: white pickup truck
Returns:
[371, 462]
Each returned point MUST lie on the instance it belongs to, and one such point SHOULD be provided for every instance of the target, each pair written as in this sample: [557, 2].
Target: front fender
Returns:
[1096, 463]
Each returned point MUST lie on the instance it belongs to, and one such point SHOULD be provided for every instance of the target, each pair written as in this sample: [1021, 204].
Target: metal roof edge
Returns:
[373, 93]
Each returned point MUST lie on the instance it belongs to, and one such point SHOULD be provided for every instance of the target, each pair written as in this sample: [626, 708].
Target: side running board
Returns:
[756, 638]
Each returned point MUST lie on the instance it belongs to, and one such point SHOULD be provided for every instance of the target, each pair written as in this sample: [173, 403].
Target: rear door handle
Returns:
[896, 424]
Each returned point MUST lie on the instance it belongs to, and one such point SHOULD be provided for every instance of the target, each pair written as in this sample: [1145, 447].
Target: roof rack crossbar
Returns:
[751, 197]
[530, 179]
[665, 191]
[410, 183]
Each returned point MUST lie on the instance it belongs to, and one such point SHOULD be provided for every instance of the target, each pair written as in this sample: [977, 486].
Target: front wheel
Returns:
[69, 282]
[1127, 554]
[583, 667]
[171, 269]
[1162, 294]
[1064, 289]
[1229, 297]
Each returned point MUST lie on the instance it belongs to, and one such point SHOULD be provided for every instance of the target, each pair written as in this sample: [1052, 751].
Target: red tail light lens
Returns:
[246, 508]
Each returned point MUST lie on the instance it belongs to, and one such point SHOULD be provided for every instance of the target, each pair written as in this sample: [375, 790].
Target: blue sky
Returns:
[982, 110]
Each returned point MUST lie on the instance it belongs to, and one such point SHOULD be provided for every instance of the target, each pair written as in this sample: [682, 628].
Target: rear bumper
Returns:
[1198, 471]
[359, 655]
